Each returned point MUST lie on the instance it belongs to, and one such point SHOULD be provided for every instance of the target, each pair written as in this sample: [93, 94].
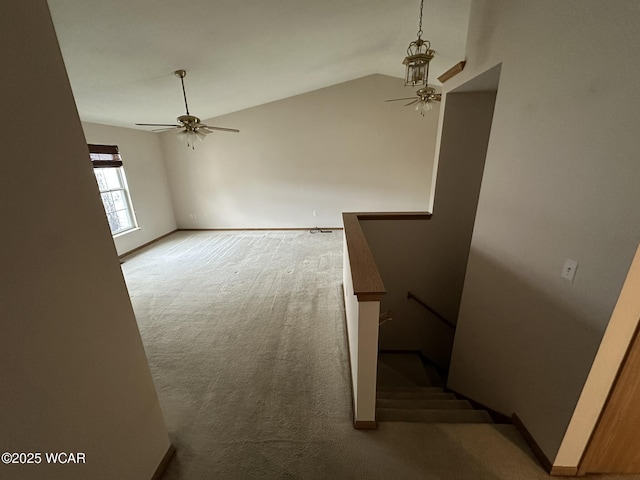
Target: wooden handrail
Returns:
[411, 296]
[367, 282]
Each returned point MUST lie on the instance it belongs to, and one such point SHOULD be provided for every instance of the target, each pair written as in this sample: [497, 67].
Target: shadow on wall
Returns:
[517, 349]
[428, 258]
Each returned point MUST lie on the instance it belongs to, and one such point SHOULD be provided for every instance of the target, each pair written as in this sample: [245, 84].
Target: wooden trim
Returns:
[542, 458]
[392, 215]
[621, 400]
[367, 283]
[496, 416]
[564, 471]
[365, 425]
[452, 72]
[146, 244]
[164, 463]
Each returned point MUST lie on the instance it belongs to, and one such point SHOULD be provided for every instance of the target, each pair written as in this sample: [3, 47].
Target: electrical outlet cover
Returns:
[569, 269]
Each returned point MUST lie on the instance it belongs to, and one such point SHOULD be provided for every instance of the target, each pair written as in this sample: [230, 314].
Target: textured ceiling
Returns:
[120, 54]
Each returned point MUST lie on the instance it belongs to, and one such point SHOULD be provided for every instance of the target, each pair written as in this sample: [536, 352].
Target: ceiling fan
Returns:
[424, 101]
[189, 125]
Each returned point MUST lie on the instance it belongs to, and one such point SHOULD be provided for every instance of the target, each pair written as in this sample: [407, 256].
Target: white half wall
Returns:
[561, 181]
[73, 372]
[144, 167]
[341, 148]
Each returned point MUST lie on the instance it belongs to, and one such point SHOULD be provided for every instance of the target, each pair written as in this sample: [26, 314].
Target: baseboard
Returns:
[496, 416]
[146, 245]
[297, 229]
[537, 451]
[365, 425]
[164, 463]
[564, 471]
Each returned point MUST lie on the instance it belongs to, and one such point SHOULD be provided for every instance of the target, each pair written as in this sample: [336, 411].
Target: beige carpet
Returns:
[245, 336]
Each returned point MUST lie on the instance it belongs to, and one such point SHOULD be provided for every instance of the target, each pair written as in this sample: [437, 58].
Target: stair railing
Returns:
[411, 296]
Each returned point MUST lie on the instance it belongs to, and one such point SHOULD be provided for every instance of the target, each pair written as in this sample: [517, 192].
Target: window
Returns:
[112, 183]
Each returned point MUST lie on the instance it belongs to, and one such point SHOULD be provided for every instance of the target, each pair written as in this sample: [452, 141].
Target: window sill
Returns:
[118, 235]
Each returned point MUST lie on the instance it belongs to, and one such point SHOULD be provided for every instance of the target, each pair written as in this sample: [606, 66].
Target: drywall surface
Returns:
[73, 370]
[341, 148]
[142, 158]
[560, 181]
[429, 257]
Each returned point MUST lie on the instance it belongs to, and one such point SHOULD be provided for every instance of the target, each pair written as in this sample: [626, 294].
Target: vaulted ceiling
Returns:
[120, 54]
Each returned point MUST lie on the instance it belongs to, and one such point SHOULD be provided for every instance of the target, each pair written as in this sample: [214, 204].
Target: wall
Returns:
[341, 148]
[142, 157]
[73, 370]
[560, 181]
[429, 257]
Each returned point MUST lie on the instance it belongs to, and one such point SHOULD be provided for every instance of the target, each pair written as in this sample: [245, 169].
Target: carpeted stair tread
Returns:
[407, 365]
[424, 403]
[432, 416]
[410, 389]
[415, 395]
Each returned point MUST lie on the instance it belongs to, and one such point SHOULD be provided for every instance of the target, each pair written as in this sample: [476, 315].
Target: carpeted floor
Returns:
[245, 336]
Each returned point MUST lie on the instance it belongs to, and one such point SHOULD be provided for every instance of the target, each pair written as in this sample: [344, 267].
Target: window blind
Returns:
[105, 156]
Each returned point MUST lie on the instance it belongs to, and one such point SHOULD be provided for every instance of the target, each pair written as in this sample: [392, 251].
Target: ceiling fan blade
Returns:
[204, 130]
[397, 99]
[234, 130]
[158, 125]
[411, 103]
[163, 129]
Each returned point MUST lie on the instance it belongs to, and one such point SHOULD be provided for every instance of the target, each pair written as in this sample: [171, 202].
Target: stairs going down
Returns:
[410, 391]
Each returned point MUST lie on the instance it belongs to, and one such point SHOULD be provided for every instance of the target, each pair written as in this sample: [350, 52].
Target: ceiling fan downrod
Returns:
[182, 74]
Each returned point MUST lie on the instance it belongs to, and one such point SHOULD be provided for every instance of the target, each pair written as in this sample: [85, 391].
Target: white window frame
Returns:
[107, 158]
[110, 211]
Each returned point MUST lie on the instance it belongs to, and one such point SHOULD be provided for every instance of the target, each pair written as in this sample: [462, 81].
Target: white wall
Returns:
[341, 148]
[560, 181]
[73, 371]
[144, 167]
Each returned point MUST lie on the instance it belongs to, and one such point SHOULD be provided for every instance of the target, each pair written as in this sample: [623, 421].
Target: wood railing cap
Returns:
[367, 282]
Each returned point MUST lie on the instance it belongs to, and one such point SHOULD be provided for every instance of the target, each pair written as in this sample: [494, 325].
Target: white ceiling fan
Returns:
[423, 100]
[189, 125]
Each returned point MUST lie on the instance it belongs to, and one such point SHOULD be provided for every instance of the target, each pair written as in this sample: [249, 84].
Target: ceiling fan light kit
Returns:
[190, 127]
[423, 99]
[419, 54]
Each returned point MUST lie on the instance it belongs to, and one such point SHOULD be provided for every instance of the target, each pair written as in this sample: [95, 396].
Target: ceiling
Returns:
[121, 54]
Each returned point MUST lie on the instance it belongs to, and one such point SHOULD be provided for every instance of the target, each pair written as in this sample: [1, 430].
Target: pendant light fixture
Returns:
[419, 54]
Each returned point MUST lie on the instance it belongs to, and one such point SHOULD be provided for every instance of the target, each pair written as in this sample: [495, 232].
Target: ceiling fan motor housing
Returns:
[190, 122]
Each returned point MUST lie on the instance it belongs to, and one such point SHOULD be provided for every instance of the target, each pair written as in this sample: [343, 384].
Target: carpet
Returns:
[245, 336]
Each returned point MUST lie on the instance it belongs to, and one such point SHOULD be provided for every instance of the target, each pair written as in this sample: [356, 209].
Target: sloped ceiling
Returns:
[120, 54]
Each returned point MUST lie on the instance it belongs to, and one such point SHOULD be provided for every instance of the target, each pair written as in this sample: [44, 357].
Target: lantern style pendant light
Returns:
[419, 54]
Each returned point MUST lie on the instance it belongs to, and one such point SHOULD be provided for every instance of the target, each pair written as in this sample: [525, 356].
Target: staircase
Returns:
[410, 391]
